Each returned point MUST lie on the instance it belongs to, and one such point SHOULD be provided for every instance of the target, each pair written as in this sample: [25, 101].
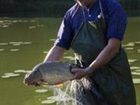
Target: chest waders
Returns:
[109, 85]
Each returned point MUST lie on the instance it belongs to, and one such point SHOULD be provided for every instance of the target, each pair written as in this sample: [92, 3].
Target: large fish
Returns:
[51, 73]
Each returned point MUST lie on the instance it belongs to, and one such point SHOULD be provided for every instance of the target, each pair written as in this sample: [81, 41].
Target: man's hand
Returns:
[80, 72]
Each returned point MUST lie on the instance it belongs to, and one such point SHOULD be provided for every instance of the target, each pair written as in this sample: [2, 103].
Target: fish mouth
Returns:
[34, 78]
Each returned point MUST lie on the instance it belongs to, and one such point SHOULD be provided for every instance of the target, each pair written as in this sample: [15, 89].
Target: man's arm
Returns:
[111, 49]
[55, 53]
[107, 53]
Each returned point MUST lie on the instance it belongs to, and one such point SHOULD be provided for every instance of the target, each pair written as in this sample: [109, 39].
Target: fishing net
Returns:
[77, 92]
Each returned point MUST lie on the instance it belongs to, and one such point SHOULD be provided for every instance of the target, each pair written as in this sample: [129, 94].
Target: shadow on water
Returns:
[25, 42]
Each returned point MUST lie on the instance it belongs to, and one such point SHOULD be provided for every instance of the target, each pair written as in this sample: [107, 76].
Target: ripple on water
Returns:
[40, 25]
[32, 27]
[137, 70]
[41, 90]
[20, 43]
[14, 50]
[16, 43]
[138, 50]
[3, 44]
[14, 21]
[52, 40]
[5, 76]
[22, 71]
[2, 50]
[5, 26]
[129, 48]
[45, 52]
[23, 21]
[8, 75]
[60, 98]
[69, 57]
[132, 60]
[130, 44]
[135, 73]
[134, 67]
[136, 80]
[26, 43]
[49, 101]
[137, 42]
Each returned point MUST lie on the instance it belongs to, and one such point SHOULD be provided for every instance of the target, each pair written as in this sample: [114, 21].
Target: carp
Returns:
[51, 73]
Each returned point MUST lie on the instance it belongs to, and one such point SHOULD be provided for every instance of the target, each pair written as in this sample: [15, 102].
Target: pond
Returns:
[25, 42]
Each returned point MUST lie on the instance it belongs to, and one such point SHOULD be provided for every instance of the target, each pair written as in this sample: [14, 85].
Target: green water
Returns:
[24, 42]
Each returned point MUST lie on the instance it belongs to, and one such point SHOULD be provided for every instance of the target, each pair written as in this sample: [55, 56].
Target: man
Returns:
[94, 29]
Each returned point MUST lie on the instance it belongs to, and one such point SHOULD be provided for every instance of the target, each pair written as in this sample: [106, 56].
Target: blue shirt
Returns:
[115, 18]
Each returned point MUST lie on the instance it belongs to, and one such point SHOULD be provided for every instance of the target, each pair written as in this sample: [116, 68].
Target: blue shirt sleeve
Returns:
[65, 33]
[117, 20]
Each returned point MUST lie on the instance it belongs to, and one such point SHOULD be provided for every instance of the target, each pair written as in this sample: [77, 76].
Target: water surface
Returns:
[24, 42]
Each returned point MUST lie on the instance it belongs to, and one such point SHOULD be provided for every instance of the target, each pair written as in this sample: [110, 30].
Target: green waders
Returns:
[109, 85]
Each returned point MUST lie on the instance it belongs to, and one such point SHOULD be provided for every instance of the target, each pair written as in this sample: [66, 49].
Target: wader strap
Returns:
[101, 8]
[83, 12]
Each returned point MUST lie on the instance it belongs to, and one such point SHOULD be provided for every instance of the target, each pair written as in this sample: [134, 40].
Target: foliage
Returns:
[52, 8]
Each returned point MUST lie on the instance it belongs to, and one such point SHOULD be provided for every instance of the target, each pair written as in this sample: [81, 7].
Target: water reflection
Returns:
[20, 43]
[138, 50]
[32, 27]
[136, 80]
[31, 41]
[14, 50]
[16, 44]
[45, 52]
[3, 44]
[48, 102]
[136, 73]
[134, 67]
[52, 40]
[9, 75]
[16, 73]
[22, 71]
[129, 48]
[26, 43]
[132, 60]
[7, 22]
[69, 58]
[41, 90]
[2, 50]
[137, 70]
[130, 44]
